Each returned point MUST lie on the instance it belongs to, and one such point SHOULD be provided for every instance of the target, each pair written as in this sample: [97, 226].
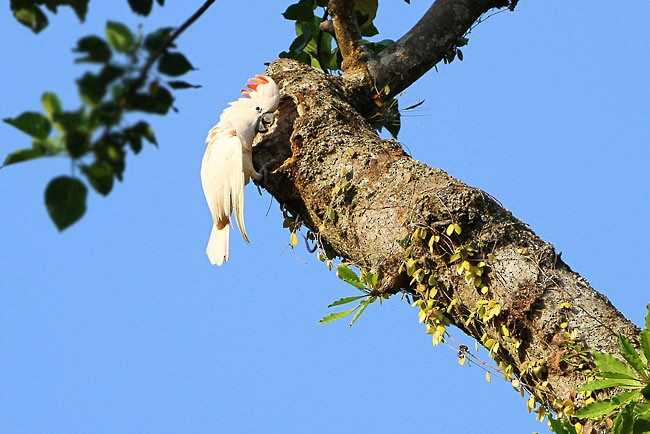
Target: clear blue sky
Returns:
[120, 324]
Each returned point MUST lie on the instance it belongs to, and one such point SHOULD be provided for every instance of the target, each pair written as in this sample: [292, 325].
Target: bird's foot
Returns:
[263, 175]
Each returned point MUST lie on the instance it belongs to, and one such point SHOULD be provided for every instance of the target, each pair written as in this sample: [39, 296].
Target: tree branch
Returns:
[541, 300]
[348, 37]
[427, 42]
[153, 57]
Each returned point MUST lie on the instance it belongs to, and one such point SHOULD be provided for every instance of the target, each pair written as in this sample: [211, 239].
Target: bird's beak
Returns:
[264, 122]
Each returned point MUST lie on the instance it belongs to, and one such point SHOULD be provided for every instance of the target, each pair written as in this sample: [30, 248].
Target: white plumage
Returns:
[227, 164]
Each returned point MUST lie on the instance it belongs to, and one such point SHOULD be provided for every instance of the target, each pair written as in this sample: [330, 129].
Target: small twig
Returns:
[153, 57]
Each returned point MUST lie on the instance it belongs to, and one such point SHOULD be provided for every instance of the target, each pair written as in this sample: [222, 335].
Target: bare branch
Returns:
[428, 41]
[139, 81]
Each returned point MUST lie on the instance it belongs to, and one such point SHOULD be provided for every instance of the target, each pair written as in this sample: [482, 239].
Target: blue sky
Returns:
[120, 324]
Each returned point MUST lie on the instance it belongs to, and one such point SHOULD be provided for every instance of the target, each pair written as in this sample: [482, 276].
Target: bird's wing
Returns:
[222, 177]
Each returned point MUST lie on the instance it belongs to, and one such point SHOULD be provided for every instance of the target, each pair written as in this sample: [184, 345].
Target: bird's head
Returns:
[264, 96]
[253, 113]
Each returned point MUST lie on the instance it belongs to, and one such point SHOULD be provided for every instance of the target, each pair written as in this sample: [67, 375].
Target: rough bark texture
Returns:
[391, 194]
[323, 140]
[413, 54]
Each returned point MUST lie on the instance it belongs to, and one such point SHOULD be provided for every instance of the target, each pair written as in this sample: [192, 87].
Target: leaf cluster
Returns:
[315, 43]
[96, 136]
[631, 374]
[31, 13]
[365, 283]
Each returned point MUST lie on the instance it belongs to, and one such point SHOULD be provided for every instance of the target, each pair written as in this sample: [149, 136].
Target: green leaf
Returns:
[110, 149]
[642, 410]
[96, 50]
[157, 39]
[644, 339]
[393, 126]
[596, 409]
[100, 176]
[612, 375]
[107, 113]
[346, 300]
[179, 84]
[606, 384]
[30, 16]
[141, 7]
[369, 30]
[378, 47]
[145, 130]
[51, 104]
[609, 363]
[299, 12]
[349, 276]
[647, 317]
[65, 199]
[624, 421]
[561, 426]
[34, 124]
[22, 155]
[337, 315]
[136, 133]
[625, 397]
[80, 8]
[174, 64]
[110, 73]
[630, 354]
[69, 121]
[646, 392]
[119, 36]
[159, 103]
[77, 143]
[371, 279]
[364, 305]
[641, 426]
[91, 88]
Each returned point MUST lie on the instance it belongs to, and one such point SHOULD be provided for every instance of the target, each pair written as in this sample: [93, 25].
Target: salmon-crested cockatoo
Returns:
[228, 161]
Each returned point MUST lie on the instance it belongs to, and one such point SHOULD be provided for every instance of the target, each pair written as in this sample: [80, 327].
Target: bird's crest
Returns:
[262, 88]
[254, 82]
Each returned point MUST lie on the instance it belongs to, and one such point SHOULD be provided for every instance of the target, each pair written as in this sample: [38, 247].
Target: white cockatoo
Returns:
[228, 161]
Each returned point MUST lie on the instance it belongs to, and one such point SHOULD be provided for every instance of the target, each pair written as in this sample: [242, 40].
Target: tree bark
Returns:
[425, 233]
[321, 141]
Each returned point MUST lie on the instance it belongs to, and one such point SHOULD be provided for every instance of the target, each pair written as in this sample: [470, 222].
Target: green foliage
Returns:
[366, 283]
[97, 135]
[31, 13]
[32, 123]
[143, 7]
[561, 426]
[314, 45]
[65, 198]
[632, 375]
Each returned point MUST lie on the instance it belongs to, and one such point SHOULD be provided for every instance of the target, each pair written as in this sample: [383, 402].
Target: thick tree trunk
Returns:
[321, 141]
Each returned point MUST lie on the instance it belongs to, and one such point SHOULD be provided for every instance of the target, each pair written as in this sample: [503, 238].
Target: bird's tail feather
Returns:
[218, 245]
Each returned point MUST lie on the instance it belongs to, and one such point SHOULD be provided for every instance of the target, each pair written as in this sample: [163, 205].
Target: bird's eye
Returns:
[258, 109]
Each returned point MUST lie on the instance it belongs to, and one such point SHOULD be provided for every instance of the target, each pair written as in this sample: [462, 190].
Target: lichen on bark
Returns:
[392, 194]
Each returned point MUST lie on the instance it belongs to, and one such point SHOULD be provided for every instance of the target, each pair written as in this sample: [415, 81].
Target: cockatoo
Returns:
[227, 164]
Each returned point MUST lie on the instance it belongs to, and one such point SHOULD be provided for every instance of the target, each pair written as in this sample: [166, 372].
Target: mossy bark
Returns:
[321, 140]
